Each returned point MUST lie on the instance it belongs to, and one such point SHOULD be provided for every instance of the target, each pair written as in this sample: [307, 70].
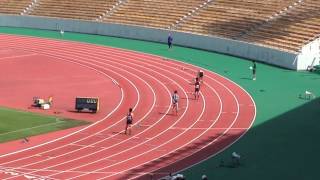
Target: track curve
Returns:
[160, 143]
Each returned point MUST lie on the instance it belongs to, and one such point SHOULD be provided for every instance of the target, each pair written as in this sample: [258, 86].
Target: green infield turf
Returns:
[283, 142]
[16, 124]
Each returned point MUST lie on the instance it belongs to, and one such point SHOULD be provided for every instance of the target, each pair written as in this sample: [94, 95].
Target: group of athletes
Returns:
[175, 101]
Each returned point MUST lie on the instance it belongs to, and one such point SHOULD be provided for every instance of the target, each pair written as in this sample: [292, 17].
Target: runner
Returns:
[175, 102]
[129, 121]
[197, 89]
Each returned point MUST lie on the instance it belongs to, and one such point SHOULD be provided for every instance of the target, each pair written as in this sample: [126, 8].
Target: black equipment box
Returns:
[89, 103]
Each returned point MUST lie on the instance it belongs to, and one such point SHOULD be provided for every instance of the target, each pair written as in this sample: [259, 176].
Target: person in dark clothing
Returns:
[254, 68]
[170, 39]
[129, 121]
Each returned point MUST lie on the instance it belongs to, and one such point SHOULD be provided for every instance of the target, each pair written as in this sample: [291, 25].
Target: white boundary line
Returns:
[20, 56]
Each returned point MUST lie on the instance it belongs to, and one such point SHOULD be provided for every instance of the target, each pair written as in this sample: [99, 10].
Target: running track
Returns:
[160, 143]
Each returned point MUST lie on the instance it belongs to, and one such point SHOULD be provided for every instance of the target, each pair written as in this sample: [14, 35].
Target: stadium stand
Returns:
[228, 18]
[13, 6]
[286, 24]
[148, 13]
[290, 31]
[75, 9]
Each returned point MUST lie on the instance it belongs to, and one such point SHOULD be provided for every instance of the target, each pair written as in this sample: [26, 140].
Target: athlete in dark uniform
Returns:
[170, 39]
[197, 89]
[254, 68]
[129, 121]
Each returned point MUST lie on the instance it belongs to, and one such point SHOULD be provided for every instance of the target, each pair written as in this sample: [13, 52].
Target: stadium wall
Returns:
[309, 55]
[210, 43]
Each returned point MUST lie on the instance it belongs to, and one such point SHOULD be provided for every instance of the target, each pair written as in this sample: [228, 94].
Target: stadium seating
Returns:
[75, 9]
[285, 24]
[229, 18]
[291, 30]
[13, 6]
[152, 13]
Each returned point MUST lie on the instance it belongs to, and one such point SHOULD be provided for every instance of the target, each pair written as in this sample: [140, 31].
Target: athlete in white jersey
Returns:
[175, 102]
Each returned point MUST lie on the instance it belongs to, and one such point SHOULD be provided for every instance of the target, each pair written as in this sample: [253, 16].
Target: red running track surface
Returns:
[161, 141]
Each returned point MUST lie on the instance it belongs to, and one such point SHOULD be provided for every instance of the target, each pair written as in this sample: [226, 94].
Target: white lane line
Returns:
[7, 170]
[19, 56]
[180, 128]
[80, 145]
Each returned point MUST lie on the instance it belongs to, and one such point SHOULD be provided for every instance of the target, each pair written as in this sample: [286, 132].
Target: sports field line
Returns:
[25, 129]
[179, 128]
[8, 169]
[19, 56]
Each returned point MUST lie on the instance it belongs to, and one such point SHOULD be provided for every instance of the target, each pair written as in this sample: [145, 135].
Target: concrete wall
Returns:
[221, 45]
[310, 55]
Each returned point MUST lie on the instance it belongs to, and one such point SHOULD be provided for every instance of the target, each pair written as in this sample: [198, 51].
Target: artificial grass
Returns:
[17, 124]
[282, 144]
